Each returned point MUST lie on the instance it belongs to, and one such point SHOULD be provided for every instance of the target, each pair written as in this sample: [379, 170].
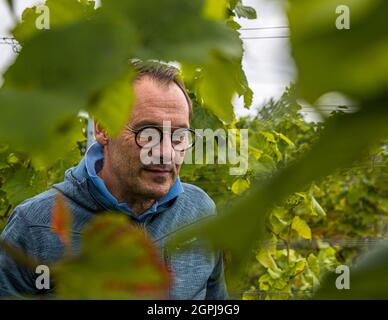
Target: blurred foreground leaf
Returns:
[352, 61]
[23, 184]
[117, 261]
[62, 220]
[81, 64]
[368, 279]
[62, 13]
[349, 61]
[38, 122]
[344, 140]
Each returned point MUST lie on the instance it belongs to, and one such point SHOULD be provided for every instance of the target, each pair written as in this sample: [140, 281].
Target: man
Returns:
[117, 175]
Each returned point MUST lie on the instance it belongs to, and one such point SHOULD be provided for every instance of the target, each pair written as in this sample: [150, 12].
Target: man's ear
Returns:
[101, 136]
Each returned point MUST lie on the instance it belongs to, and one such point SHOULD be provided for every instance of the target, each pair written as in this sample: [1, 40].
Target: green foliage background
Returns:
[313, 192]
[331, 222]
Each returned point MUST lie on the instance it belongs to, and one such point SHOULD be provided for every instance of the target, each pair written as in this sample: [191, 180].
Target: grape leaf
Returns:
[350, 61]
[23, 184]
[125, 264]
[62, 220]
[62, 12]
[301, 226]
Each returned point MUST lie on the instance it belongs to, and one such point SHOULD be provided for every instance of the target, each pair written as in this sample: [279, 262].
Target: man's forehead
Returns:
[158, 101]
[159, 107]
[147, 86]
[139, 123]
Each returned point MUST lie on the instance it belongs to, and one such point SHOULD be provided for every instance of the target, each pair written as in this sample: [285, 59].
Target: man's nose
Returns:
[167, 153]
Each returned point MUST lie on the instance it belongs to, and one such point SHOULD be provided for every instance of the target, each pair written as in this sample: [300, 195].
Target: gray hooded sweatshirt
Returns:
[197, 271]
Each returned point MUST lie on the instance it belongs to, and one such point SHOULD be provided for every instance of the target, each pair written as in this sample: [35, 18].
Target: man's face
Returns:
[155, 102]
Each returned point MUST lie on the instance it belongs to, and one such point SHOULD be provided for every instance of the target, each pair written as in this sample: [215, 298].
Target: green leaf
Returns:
[343, 140]
[279, 155]
[112, 105]
[4, 156]
[313, 263]
[268, 136]
[266, 259]
[243, 86]
[233, 24]
[245, 11]
[218, 77]
[62, 220]
[264, 256]
[23, 184]
[76, 60]
[301, 227]
[202, 118]
[61, 13]
[240, 185]
[195, 41]
[54, 123]
[297, 268]
[83, 56]
[285, 139]
[368, 279]
[265, 282]
[316, 207]
[215, 9]
[255, 152]
[350, 61]
[66, 67]
[248, 97]
[125, 264]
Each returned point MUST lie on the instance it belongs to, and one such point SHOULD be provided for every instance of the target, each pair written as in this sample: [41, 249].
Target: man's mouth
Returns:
[160, 172]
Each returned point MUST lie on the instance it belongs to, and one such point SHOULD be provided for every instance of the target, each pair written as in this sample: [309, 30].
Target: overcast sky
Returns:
[267, 62]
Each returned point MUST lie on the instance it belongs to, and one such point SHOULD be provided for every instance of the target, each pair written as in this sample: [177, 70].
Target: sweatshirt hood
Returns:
[79, 187]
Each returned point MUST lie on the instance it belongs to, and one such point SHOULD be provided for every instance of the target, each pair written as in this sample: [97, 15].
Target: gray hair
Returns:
[163, 72]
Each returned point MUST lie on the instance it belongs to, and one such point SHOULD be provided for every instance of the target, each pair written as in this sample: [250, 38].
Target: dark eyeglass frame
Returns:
[161, 134]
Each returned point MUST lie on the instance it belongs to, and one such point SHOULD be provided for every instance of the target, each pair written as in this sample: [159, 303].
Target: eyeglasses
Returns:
[151, 136]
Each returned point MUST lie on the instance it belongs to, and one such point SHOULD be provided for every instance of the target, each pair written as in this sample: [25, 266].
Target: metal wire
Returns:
[265, 28]
[264, 37]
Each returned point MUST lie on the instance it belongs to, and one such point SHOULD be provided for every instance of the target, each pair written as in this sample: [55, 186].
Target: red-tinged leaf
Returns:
[62, 220]
[125, 263]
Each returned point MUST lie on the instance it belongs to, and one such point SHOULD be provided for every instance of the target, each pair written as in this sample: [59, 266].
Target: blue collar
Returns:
[94, 160]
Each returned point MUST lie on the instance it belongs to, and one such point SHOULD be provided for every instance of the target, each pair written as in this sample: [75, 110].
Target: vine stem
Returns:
[288, 244]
